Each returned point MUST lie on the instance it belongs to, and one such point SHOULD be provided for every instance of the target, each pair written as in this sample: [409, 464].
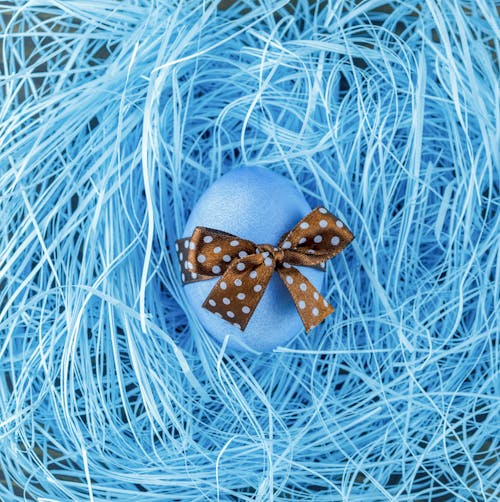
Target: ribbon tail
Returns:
[237, 293]
[310, 304]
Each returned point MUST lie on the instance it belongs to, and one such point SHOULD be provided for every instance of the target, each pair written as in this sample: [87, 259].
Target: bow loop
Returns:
[209, 252]
[245, 268]
[315, 239]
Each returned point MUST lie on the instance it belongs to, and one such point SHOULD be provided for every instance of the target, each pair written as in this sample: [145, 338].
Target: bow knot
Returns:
[274, 253]
[245, 268]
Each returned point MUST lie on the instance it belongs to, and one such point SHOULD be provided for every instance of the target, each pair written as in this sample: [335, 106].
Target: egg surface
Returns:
[255, 204]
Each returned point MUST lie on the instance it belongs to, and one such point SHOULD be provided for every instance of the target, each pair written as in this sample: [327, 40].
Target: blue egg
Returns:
[256, 204]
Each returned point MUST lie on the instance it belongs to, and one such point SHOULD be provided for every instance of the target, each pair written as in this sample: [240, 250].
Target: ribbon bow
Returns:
[246, 268]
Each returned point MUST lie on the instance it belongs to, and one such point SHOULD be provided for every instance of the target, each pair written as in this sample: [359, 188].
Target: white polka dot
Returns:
[335, 240]
[186, 244]
[216, 269]
[183, 277]
[226, 258]
[241, 296]
[323, 223]
[211, 303]
[286, 265]
[186, 264]
[181, 256]
[289, 279]
[176, 246]
[226, 301]
[237, 325]
[325, 303]
[311, 251]
[315, 311]
[230, 314]
[257, 288]
[302, 240]
[242, 254]
[237, 282]
[302, 304]
[268, 262]
[287, 245]
[201, 258]
[317, 239]
[339, 224]
[190, 265]
[265, 254]
[316, 296]
[322, 210]
[217, 249]
[191, 245]
[234, 243]
[240, 266]
[303, 286]
[245, 309]
[208, 239]
[322, 265]
[253, 274]
[223, 285]
[194, 275]
[304, 225]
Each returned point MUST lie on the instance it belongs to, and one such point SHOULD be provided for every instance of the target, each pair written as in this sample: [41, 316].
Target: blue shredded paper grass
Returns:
[115, 117]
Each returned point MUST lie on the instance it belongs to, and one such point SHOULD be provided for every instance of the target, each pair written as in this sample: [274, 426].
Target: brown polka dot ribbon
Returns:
[246, 268]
